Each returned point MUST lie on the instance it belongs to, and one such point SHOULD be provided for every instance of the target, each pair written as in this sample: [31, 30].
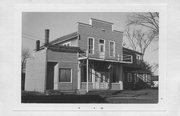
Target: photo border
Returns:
[161, 8]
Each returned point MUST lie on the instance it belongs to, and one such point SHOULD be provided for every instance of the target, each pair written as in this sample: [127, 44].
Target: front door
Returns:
[101, 80]
[101, 48]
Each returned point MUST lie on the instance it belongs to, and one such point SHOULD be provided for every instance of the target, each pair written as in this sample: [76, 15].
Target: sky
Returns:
[62, 23]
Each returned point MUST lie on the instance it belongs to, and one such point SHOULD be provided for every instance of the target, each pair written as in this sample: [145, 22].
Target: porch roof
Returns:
[141, 71]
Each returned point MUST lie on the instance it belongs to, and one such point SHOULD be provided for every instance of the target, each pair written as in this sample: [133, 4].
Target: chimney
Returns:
[37, 45]
[46, 37]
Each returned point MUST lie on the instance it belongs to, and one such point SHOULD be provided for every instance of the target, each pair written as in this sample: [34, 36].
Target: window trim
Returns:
[93, 44]
[70, 78]
[114, 49]
[129, 78]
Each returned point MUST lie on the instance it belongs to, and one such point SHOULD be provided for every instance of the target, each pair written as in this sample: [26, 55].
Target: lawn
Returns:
[134, 96]
[125, 96]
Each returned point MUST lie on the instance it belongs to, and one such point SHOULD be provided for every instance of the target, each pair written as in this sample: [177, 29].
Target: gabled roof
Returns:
[64, 38]
[132, 51]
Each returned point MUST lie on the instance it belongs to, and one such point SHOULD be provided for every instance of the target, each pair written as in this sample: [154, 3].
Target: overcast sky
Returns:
[34, 24]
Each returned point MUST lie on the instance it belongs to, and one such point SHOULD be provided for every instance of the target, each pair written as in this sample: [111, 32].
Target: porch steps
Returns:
[81, 92]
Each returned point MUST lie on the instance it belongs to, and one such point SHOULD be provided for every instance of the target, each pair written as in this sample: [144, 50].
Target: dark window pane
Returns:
[90, 45]
[101, 41]
[64, 75]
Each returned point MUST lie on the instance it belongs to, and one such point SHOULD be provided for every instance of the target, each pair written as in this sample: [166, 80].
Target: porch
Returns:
[99, 75]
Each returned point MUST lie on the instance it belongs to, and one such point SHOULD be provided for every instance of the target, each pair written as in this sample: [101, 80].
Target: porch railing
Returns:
[125, 58]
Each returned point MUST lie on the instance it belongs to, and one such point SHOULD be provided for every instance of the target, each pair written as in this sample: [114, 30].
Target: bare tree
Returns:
[139, 40]
[25, 55]
[155, 67]
[149, 20]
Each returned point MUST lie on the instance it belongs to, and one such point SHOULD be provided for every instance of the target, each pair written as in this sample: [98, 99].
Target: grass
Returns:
[135, 96]
[125, 96]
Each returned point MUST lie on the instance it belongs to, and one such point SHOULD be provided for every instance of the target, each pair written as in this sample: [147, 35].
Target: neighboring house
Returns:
[155, 81]
[92, 58]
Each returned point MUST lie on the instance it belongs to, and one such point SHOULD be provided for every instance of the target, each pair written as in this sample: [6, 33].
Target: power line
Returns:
[29, 38]
[26, 34]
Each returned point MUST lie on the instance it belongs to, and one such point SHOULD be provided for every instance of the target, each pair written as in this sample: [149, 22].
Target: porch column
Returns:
[93, 77]
[87, 70]
[121, 77]
[56, 75]
[79, 76]
[87, 75]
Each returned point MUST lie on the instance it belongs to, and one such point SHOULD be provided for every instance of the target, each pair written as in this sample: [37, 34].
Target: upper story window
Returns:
[138, 58]
[67, 44]
[102, 45]
[91, 45]
[112, 48]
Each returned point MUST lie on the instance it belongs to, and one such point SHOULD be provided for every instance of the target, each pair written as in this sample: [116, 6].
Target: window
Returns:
[64, 75]
[102, 45]
[138, 58]
[91, 45]
[129, 77]
[112, 48]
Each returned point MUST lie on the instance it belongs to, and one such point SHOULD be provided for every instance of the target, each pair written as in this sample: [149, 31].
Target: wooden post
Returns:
[87, 72]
